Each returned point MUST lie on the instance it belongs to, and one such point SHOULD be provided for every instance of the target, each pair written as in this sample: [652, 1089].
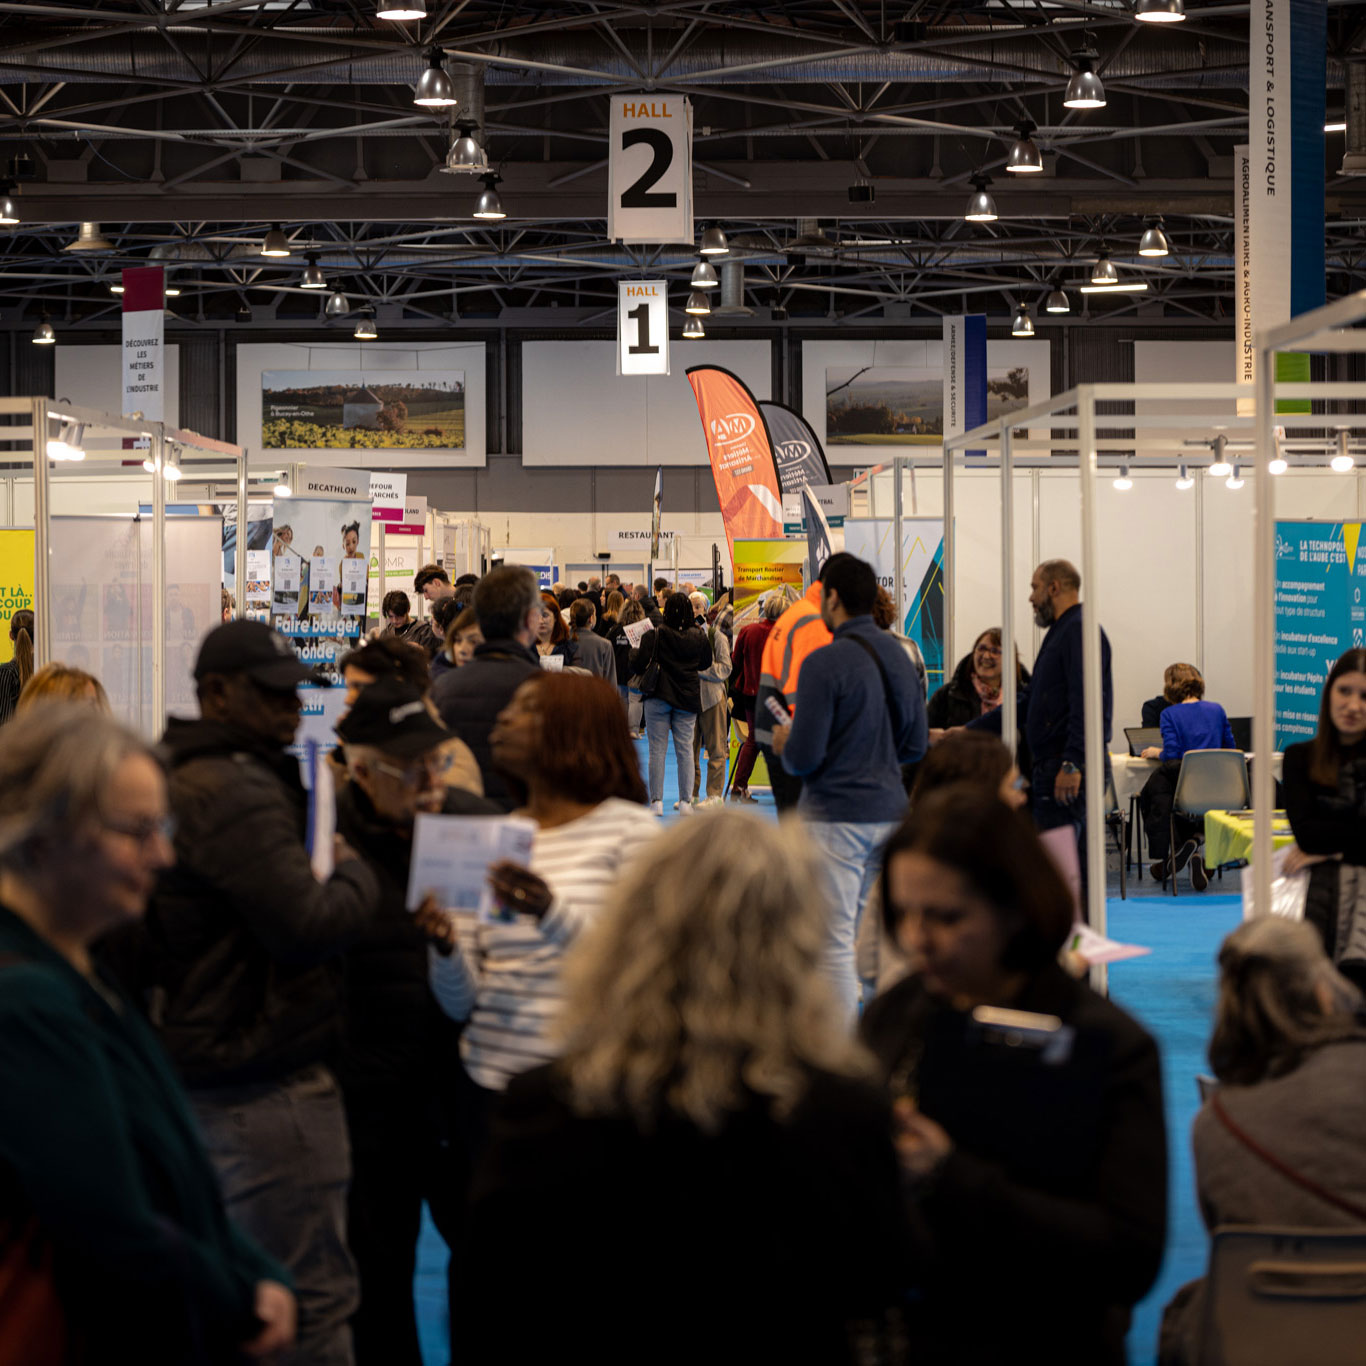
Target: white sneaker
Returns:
[683, 808]
[657, 808]
[712, 801]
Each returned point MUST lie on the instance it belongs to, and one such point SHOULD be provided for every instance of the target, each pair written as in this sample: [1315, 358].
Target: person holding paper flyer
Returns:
[400, 1060]
[562, 741]
[234, 964]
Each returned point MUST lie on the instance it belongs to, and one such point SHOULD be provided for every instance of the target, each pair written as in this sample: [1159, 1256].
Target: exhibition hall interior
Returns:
[682, 682]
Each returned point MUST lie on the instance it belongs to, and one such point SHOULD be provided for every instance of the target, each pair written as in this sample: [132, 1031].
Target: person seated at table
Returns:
[1155, 706]
[1287, 1049]
[1325, 799]
[1189, 723]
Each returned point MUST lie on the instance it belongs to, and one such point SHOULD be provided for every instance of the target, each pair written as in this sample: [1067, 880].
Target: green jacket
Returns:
[97, 1140]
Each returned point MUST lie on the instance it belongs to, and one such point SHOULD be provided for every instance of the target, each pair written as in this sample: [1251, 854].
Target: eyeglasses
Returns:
[988, 650]
[433, 766]
[143, 831]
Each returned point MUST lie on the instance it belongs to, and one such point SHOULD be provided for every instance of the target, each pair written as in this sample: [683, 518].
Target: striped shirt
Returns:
[504, 976]
[10, 688]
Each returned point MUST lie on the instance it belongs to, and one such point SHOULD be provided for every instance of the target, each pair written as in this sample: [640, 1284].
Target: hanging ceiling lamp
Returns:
[1056, 302]
[1024, 158]
[1342, 462]
[401, 10]
[1235, 479]
[1160, 11]
[981, 206]
[714, 243]
[276, 243]
[693, 329]
[1221, 466]
[698, 304]
[1183, 479]
[704, 276]
[1154, 240]
[489, 205]
[434, 89]
[1084, 88]
[337, 305]
[1104, 272]
[365, 326]
[90, 238]
[1122, 481]
[43, 335]
[466, 156]
[9, 212]
[116, 286]
[1022, 325]
[313, 277]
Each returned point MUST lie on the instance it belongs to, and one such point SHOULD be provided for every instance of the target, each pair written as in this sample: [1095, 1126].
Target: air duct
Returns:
[732, 303]
[1354, 158]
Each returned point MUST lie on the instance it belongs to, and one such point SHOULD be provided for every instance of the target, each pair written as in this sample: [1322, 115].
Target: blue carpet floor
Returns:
[1171, 991]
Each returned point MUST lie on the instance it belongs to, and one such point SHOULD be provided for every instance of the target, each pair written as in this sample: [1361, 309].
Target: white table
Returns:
[1131, 773]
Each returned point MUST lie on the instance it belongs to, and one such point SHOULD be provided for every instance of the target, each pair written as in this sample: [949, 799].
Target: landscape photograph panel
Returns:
[904, 405]
[348, 409]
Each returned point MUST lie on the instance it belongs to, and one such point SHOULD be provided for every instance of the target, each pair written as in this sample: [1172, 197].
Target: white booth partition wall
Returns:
[1169, 569]
[100, 567]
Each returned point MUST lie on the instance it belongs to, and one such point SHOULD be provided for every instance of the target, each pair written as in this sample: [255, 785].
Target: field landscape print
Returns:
[346, 409]
[904, 405]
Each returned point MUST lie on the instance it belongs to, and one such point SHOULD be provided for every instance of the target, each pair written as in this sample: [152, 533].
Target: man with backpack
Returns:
[860, 716]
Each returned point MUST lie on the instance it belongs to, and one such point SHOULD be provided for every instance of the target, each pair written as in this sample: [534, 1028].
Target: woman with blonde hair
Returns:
[709, 1136]
[16, 672]
[61, 683]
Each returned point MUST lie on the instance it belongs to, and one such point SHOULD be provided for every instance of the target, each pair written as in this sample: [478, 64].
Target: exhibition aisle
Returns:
[1172, 991]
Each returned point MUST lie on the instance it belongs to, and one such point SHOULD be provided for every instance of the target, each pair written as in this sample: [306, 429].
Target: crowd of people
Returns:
[831, 1089]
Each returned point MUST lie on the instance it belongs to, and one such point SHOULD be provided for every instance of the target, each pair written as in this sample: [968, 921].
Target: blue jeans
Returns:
[851, 853]
[284, 1162]
[661, 718]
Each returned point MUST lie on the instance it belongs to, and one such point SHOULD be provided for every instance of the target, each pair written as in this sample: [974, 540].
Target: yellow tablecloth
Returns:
[1228, 838]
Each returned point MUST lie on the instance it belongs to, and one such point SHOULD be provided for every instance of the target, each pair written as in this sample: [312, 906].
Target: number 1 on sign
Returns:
[640, 315]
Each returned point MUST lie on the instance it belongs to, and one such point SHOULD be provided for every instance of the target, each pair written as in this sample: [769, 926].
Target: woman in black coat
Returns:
[975, 687]
[1036, 1157]
[682, 651]
[1324, 782]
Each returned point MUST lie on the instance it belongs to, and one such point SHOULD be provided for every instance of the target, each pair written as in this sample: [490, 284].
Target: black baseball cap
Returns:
[252, 648]
[392, 716]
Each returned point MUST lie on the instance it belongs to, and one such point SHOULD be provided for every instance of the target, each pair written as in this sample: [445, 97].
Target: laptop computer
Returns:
[1241, 726]
[1141, 737]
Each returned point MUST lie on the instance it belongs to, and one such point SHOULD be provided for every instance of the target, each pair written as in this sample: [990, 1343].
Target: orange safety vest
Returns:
[795, 634]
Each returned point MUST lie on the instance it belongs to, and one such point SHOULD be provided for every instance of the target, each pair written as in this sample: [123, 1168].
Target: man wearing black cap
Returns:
[237, 966]
[400, 1066]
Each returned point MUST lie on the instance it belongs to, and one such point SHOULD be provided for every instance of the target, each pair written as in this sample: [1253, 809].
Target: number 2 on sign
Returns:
[640, 195]
[640, 315]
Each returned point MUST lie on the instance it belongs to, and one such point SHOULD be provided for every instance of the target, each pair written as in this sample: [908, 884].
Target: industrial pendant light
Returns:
[1183, 479]
[693, 329]
[1024, 158]
[401, 10]
[116, 286]
[1104, 272]
[9, 213]
[365, 326]
[1022, 325]
[466, 156]
[489, 205]
[1084, 88]
[1235, 479]
[313, 277]
[1160, 11]
[337, 305]
[276, 243]
[698, 304]
[1056, 302]
[434, 89]
[714, 243]
[1220, 467]
[1122, 481]
[1154, 240]
[981, 206]
[704, 276]
[43, 335]
[90, 238]
[1342, 462]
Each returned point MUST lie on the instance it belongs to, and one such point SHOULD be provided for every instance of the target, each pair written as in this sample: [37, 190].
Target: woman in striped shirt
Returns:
[563, 739]
[15, 672]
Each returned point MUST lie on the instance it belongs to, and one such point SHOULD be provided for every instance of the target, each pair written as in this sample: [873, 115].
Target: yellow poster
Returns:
[762, 565]
[16, 581]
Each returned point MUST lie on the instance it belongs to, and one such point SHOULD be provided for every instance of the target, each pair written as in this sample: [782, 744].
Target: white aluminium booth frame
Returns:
[1062, 432]
[41, 414]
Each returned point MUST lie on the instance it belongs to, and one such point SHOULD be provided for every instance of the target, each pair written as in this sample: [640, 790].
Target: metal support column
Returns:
[1263, 631]
[947, 568]
[158, 454]
[42, 512]
[898, 588]
[240, 607]
[1009, 724]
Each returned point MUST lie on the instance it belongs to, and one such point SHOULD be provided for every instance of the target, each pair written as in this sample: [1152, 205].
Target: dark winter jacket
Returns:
[236, 961]
[957, 702]
[1058, 1174]
[470, 698]
[397, 1040]
[682, 655]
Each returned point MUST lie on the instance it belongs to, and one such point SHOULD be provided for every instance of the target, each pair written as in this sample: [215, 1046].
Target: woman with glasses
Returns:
[114, 1243]
[975, 687]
